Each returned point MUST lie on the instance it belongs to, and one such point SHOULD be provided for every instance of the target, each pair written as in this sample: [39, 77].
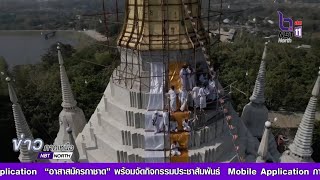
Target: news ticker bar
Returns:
[55, 155]
[159, 171]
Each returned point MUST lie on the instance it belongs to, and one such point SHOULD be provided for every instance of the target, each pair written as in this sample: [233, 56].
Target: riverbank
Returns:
[27, 46]
[80, 36]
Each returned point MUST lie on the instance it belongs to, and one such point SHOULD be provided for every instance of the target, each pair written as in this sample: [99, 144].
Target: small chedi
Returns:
[164, 102]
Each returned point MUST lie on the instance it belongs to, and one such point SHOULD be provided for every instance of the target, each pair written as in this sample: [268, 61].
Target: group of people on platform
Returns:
[198, 85]
[160, 123]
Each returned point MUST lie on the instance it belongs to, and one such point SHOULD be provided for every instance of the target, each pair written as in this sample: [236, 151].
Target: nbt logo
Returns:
[288, 29]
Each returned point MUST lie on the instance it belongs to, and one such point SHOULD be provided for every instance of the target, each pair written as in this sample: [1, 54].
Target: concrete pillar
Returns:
[197, 138]
[211, 155]
[206, 156]
[137, 120]
[125, 154]
[127, 118]
[123, 137]
[118, 157]
[206, 129]
[131, 119]
[131, 98]
[143, 121]
[131, 158]
[202, 135]
[121, 157]
[129, 138]
[140, 98]
[134, 140]
[142, 139]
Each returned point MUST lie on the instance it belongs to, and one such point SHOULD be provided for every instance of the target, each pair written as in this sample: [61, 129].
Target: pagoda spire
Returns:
[259, 87]
[21, 125]
[300, 150]
[67, 95]
[263, 148]
[255, 113]
[71, 115]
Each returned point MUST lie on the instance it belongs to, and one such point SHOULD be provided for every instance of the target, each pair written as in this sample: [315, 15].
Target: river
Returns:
[27, 47]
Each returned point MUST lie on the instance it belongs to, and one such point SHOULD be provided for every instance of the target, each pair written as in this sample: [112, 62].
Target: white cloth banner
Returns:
[155, 138]
[156, 86]
[156, 141]
[154, 157]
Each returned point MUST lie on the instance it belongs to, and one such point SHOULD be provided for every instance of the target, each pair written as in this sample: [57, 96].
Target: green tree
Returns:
[39, 89]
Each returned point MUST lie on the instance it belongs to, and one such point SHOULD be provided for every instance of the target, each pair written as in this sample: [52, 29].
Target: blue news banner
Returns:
[155, 171]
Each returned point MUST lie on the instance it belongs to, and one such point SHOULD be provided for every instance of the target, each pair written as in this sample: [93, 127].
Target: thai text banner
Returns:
[158, 171]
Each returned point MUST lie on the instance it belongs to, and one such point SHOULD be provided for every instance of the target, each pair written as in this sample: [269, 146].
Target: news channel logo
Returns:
[58, 152]
[289, 29]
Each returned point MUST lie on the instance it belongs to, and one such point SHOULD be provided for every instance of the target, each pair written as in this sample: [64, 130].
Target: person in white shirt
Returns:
[183, 97]
[173, 99]
[193, 121]
[212, 90]
[184, 78]
[192, 79]
[195, 96]
[173, 126]
[175, 149]
[164, 124]
[203, 93]
[186, 126]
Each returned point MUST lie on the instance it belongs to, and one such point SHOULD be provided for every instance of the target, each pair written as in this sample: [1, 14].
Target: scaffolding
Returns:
[156, 30]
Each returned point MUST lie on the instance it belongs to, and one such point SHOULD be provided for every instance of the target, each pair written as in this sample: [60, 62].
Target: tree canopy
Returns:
[39, 90]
